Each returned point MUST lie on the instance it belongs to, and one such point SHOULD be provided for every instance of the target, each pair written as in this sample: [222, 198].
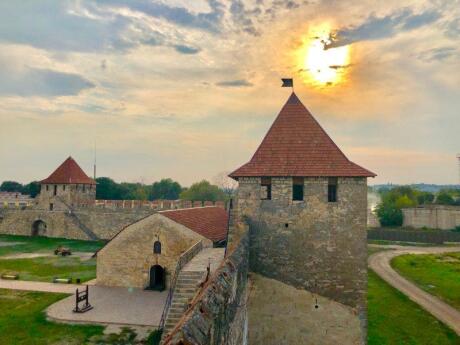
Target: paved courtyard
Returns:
[114, 305]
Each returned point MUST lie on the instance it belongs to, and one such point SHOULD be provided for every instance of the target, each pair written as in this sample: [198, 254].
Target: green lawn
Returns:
[45, 244]
[47, 268]
[22, 321]
[438, 274]
[396, 320]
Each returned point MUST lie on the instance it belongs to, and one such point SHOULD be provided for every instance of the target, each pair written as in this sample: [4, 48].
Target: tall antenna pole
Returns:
[94, 160]
[458, 157]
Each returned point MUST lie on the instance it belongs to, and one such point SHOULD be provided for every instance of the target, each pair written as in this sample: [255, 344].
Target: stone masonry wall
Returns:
[436, 217]
[104, 224]
[126, 260]
[218, 314]
[312, 244]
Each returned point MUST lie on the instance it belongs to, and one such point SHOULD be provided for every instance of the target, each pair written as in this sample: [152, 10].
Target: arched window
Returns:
[157, 247]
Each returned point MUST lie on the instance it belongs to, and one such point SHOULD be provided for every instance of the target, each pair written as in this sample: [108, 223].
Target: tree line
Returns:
[165, 189]
[393, 200]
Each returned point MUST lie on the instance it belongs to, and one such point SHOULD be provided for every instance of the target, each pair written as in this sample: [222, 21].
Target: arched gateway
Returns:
[39, 228]
[157, 278]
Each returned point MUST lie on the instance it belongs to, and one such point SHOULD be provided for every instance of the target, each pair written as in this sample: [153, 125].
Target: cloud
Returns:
[437, 54]
[186, 49]
[242, 17]
[41, 82]
[87, 26]
[234, 83]
[453, 29]
[209, 21]
[50, 25]
[376, 28]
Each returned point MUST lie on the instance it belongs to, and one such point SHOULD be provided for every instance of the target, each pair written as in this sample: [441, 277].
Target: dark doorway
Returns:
[39, 228]
[157, 278]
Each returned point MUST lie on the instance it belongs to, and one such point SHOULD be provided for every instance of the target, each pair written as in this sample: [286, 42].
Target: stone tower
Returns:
[67, 187]
[305, 204]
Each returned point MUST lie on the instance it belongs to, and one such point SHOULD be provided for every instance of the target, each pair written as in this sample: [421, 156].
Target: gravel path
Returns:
[380, 263]
[41, 286]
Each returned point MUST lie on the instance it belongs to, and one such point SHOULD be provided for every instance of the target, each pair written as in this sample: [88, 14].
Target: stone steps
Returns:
[186, 287]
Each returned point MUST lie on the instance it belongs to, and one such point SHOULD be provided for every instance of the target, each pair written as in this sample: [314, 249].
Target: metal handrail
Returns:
[183, 260]
[230, 208]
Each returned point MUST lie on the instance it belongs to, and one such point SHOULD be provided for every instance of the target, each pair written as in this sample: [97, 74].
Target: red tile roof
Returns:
[210, 222]
[69, 172]
[296, 145]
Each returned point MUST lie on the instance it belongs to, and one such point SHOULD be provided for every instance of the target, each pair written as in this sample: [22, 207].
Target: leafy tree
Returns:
[389, 214]
[107, 189]
[404, 201]
[11, 186]
[203, 191]
[393, 200]
[425, 198]
[445, 198]
[32, 189]
[166, 189]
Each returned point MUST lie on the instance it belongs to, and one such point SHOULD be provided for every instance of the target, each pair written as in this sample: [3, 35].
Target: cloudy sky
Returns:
[170, 89]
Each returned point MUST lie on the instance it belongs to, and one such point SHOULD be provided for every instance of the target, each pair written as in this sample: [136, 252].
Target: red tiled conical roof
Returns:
[296, 145]
[69, 172]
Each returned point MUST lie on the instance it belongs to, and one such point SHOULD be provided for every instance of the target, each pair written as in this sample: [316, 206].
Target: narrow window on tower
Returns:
[266, 190]
[63, 187]
[332, 189]
[297, 188]
[55, 190]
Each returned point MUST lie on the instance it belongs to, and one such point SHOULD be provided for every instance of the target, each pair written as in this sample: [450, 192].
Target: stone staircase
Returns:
[91, 235]
[186, 287]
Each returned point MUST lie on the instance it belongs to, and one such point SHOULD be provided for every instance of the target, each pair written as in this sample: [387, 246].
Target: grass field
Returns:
[438, 274]
[27, 244]
[47, 268]
[396, 320]
[22, 321]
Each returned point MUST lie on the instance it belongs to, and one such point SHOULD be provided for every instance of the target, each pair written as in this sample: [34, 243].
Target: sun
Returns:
[324, 66]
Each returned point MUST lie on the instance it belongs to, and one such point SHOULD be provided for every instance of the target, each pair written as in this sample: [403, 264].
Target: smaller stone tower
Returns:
[68, 187]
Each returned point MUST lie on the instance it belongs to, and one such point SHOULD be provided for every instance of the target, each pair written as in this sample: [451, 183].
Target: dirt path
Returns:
[41, 286]
[380, 263]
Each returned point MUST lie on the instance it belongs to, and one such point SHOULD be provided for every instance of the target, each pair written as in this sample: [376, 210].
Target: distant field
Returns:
[396, 320]
[438, 274]
[23, 322]
[27, 244]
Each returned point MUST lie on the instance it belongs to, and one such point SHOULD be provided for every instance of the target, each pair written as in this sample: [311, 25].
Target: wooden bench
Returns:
[10, 276]
[62, 280]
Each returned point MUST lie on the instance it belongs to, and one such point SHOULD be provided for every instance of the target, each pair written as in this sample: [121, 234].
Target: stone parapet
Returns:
[218, 314]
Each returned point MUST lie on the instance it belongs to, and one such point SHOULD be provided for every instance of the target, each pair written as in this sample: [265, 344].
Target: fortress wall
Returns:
[103, 223]
[106, 224]
[58, 224]
[218, 315]
[436, 217]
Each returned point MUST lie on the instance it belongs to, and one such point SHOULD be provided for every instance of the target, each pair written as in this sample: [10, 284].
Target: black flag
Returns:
[287, 82]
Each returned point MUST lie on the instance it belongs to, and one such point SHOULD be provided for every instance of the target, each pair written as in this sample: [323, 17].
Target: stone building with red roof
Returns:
[146, 253]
